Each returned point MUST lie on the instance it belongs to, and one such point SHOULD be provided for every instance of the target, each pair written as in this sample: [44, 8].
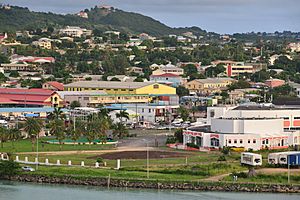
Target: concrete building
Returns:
[152, 113]
[96, 98]
[112, 87]
[53, 85]
[248, 127]
[75, 31]
[167, 78]
[44, 43]
[272, 83]
[239, 69]
[167, 69]
[209, 85]
[19, 67]
[10, 97]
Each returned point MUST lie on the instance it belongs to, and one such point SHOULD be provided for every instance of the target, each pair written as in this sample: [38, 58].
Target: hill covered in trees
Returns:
[18, 18]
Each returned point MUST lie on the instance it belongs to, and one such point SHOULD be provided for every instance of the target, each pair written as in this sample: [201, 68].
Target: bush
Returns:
[99, 160]
[171, 140]
[222, 158]
[9, 168]
[240, 174]
[192, 145]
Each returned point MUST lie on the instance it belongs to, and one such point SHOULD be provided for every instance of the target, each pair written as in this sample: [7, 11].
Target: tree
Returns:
[58, 130]
[3, 78]
[182, 91]
[179, 135]
[14, 135]
[240, 84]
[119, 130]
[33, 127]
[75, 104]
[56, 114]
[3, 135]
[184, 113]
[115, 79]
[122, 114]
[8, 168]
[14, 74]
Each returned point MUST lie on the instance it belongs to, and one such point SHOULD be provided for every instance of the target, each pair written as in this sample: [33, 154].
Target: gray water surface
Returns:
[28, 191]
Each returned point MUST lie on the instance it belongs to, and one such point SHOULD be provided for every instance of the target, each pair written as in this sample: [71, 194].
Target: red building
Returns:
[29, 98]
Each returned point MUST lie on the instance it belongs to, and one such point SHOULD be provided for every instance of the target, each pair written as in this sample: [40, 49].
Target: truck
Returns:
[283, 157]
[294, 159]
[251, 159]
[273, 158]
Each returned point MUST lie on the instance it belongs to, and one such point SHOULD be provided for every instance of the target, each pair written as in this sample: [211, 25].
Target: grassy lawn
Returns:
[25, 146]
[269, 178]
[193, 158]
[183, 173]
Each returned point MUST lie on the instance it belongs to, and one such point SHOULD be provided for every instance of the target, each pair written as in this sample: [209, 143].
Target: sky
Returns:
[221, 16]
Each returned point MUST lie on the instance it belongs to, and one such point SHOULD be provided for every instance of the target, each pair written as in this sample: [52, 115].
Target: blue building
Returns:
[167, 78]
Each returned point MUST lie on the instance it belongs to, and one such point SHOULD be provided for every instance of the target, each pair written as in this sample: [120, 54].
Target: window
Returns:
[229, 141]
[263, 142]
[85, 98]
[286, 118]
[267, 141]
[254, 141]
[143, 110]
[296, 117]
[235, 141]
[241, 141]
[155, 86]
[249, 141]
[149, 110]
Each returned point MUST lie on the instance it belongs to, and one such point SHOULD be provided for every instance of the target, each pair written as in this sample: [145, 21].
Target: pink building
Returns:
[272, 83]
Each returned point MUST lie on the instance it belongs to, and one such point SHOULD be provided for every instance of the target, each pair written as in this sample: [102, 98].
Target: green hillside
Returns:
[19, 18]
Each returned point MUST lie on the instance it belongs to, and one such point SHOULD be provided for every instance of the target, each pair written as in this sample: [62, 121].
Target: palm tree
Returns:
[14, 134]
[122, 114]
[3, 135]
[119, 130]
[73, 134]
[105, 124]
[56, 114]
[33, 127]
[57, 128]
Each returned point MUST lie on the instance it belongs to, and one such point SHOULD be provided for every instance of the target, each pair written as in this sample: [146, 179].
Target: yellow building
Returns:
[208, 86]
[114, 87]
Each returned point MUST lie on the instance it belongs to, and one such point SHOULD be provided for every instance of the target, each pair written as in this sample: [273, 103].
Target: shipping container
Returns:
[251, 159]
[294, 159]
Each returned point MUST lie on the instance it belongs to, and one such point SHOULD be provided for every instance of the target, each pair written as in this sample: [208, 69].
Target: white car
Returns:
[28, 169]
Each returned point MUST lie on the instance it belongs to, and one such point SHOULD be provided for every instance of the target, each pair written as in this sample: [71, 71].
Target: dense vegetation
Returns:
[19, 18]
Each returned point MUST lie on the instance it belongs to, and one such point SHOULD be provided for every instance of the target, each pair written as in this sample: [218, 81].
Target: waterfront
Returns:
[25, 191]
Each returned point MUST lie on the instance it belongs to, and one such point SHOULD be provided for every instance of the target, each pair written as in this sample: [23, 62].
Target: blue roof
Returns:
[36, 109]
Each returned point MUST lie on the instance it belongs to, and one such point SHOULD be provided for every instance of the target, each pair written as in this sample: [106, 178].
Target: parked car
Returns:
[28, 169]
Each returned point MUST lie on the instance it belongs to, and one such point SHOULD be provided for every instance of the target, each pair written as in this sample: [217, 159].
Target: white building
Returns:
[247, 127]
[75, 31]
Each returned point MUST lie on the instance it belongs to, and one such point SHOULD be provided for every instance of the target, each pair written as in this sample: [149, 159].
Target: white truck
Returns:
[251, 159]
[273, 158]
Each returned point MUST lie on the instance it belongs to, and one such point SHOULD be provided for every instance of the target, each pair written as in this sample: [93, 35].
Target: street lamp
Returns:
[147, 145]
[37, 152]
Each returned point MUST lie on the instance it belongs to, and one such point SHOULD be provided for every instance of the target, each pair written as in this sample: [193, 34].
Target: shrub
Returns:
[9, 168]
[222, 158]
[171, 140]
[192, 145]
[99, 160]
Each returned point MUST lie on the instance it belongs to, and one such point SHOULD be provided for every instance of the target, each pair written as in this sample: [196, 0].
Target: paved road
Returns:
[153, 138]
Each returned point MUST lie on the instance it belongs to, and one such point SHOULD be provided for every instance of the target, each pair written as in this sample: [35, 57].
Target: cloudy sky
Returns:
[222, 16]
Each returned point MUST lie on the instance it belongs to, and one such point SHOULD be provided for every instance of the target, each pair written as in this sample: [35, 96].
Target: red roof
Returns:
[166, 75]
[59, 86]
[24, 96]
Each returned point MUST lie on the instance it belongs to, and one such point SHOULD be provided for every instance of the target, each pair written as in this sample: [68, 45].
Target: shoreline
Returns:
[157, 184]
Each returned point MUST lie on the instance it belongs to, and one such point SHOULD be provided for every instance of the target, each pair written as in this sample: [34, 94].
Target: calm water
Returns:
[20, 191]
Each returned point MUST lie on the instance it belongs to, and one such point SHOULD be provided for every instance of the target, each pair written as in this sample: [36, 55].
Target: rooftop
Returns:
[109, 84]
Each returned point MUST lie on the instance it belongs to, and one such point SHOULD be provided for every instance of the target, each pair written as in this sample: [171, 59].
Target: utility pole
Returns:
[147, 159]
